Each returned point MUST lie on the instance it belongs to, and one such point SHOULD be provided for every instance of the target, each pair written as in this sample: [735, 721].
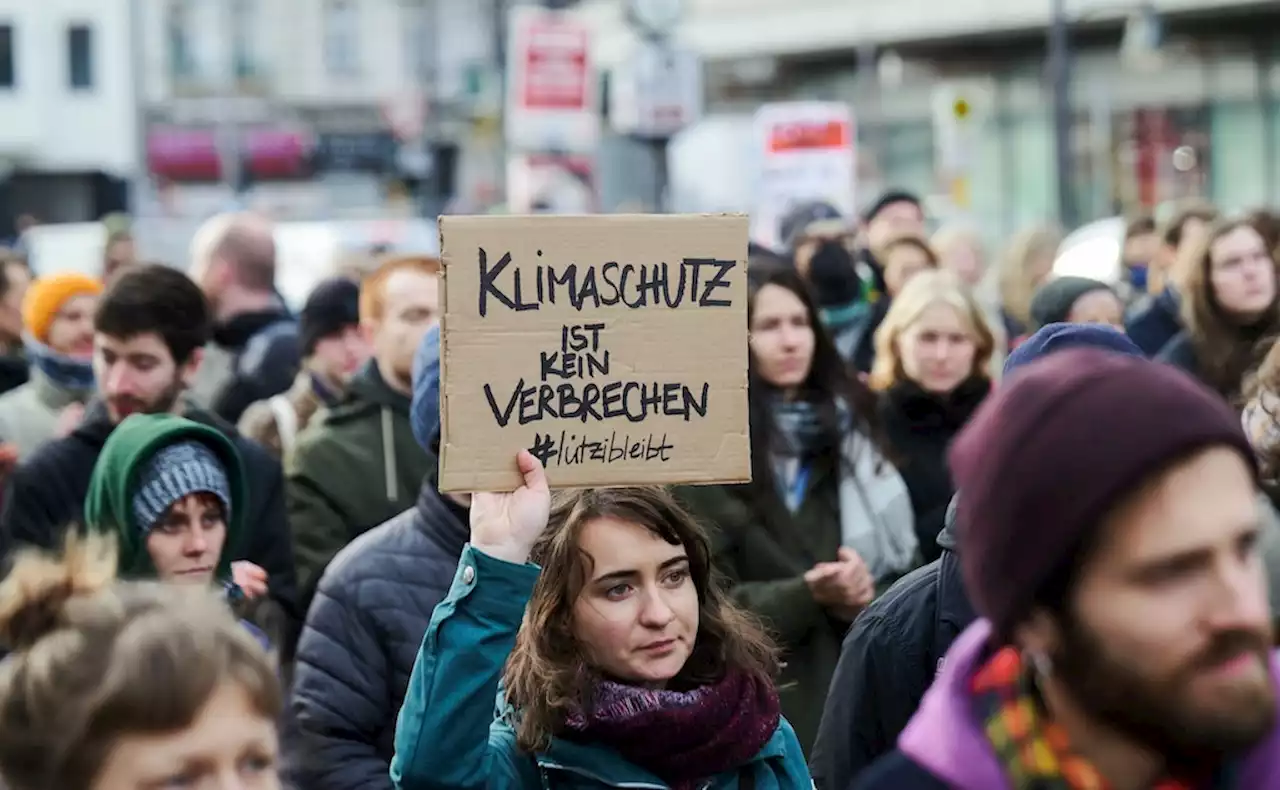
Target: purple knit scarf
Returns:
[682, 737]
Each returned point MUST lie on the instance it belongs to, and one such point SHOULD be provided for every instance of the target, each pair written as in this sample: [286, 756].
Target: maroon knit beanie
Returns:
[1046, 457]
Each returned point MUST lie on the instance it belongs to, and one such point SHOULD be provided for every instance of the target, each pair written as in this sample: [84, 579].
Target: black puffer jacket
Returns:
[889, 659]
[361, 638]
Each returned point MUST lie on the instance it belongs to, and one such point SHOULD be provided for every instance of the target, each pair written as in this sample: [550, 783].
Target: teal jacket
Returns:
[447, 737]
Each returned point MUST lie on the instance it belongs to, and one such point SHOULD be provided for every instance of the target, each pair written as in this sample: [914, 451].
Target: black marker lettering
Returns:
[488, 282]
[503, 416]
[612, 283]
[715, 281]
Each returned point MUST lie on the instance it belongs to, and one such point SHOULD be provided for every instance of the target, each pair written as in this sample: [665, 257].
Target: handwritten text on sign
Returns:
[611, 347]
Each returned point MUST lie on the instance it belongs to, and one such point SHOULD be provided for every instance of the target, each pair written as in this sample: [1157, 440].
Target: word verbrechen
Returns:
[699, 281]
[630, 400]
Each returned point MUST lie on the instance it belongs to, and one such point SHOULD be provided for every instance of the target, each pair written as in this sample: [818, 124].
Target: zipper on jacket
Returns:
[389, 456]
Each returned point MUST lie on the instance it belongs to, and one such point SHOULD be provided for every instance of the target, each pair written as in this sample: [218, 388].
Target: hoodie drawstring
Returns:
[389, 456]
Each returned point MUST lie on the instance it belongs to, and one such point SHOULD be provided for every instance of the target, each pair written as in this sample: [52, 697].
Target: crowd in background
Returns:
[762, 632]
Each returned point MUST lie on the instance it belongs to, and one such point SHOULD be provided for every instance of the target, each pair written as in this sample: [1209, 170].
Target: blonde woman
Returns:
[931, 372]
[1025, 266]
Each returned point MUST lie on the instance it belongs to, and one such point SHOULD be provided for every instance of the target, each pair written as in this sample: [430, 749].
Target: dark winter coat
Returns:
[919, 427]
[1154, 326]
[764, 550]
[356, 466]
[252, 357]
[889, 659]
[361, 638]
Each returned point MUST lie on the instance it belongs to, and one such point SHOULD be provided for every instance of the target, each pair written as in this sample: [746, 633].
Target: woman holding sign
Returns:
[620, 662]
[826, 522]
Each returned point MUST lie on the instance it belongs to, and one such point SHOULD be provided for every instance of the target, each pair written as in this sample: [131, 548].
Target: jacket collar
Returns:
[945, 738]
[443, 521]
[954, 606]
[607, 767]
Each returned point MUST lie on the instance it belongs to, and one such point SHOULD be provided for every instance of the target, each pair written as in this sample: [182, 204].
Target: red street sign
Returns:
[555, 66]
[802, 136]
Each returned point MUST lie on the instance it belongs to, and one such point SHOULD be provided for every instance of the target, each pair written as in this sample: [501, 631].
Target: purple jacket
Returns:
[945, 739]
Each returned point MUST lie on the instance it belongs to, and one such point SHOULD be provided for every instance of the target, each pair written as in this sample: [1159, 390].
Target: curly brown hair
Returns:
[548, 675]
[1224, 353]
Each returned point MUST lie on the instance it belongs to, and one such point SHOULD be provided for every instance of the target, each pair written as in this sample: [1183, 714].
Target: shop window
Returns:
[80, 57]
[8, 72]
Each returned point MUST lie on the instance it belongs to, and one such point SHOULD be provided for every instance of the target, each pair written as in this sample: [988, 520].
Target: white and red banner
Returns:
[808, 153]
[552, 89]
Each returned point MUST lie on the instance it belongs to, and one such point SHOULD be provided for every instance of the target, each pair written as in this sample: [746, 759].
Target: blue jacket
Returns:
[361, 640]
[1155, 325]
[447, 737]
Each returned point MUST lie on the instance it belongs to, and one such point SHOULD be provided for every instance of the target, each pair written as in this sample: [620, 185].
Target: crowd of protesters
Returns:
[1005, 529]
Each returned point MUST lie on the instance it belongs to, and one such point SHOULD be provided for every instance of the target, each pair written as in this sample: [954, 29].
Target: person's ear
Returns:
[1040, 635]
[191, 367]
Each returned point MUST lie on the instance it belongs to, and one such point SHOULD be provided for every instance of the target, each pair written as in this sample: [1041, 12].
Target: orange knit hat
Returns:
[46, 296]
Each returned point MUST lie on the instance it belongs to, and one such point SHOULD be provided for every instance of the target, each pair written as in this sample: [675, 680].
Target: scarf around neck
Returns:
[800, 426]
[876, 518]
[66, 373]
[682, 737]
[1034, 752]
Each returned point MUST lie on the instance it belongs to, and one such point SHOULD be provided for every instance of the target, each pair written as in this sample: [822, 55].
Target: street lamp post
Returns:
[1060, 86]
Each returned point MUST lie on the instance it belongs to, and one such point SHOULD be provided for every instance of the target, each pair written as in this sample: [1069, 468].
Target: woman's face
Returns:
[230, 746]
[1242, 273]
[1098, 307]
[186, 544]
[781, 337]
[637, 615]
[901, 263]
[965, 260]
[937, 351]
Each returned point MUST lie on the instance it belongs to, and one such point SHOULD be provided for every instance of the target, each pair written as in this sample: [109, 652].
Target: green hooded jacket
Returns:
[108, 506]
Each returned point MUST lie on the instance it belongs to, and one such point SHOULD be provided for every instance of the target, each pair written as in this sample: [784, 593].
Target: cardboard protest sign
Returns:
[614, 348]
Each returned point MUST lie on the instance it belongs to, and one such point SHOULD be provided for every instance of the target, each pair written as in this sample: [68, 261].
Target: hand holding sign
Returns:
[507, 525]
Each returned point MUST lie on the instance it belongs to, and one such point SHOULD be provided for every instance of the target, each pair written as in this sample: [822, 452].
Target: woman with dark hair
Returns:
[1230, 308]
[620, 661]
[826, 521]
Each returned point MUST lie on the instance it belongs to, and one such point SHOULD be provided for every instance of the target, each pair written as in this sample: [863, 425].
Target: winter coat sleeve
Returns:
[341, 696]
[786, 605]
[321, 526]
[446, 734]
[886, 665]
[851, 735]
[32, 513]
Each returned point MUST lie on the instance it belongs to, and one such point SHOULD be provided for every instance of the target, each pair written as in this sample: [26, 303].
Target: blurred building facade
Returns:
[66, 95]
[314, 107]
[1169, 97]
